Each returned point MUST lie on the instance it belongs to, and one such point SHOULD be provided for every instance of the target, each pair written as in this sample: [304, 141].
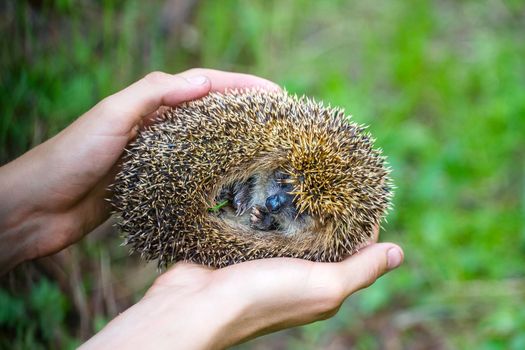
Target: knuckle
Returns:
[109, 109]
[161, 280]
[157, 77]
[194, 71]
[370, 276]
[335, 293]
[329, 299]
[327, 292]
[335, 297]
[328, 313]
[107, 104]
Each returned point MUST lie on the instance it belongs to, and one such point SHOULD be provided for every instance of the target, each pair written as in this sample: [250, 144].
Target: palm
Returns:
[266, 295]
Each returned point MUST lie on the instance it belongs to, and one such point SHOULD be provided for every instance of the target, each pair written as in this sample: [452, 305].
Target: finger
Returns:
[221, 80]
[362, 269]
[127, 107]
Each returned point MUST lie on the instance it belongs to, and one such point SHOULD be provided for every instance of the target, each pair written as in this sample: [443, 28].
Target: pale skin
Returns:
[54, 194]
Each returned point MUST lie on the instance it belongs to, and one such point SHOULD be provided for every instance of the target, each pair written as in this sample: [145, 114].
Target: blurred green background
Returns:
[441, 84]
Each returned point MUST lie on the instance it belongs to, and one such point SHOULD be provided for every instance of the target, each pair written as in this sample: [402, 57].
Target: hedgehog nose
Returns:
[275, 202]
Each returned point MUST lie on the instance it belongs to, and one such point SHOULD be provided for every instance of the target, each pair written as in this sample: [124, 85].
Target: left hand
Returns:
[54, 194]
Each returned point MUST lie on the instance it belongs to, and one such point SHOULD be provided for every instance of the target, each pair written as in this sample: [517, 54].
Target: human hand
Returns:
[194, 307]
[54, 194]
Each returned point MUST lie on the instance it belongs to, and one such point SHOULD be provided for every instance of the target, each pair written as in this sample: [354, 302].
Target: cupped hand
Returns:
[193, 307]
[54, 194]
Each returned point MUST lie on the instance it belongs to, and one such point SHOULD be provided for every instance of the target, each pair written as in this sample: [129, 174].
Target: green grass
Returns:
[441, 84]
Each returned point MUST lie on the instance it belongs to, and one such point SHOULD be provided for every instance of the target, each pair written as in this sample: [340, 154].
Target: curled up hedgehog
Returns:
[250, 174]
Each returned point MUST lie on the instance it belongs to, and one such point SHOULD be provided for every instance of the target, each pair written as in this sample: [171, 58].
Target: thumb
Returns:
[127, 107]
[364, 268]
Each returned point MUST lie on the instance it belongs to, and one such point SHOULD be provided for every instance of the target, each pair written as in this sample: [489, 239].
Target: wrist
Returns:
[180, 317]
[20, 222]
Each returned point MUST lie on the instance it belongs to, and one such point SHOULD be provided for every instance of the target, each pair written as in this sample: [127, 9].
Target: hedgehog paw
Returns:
[261, 219]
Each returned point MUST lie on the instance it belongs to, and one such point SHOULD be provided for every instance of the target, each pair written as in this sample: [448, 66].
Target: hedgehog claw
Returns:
[241, 197]
[241, 208]
[260, 218]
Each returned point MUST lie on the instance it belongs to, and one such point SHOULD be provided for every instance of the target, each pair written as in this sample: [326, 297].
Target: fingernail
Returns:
[394, 258]
[197, 80]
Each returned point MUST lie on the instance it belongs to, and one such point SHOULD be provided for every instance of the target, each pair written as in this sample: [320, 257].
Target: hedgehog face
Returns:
[265, 202]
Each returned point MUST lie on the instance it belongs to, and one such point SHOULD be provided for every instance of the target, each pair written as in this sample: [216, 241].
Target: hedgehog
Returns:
[250, 174]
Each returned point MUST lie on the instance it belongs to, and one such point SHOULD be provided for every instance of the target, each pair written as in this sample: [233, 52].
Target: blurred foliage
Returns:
[441, 84]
